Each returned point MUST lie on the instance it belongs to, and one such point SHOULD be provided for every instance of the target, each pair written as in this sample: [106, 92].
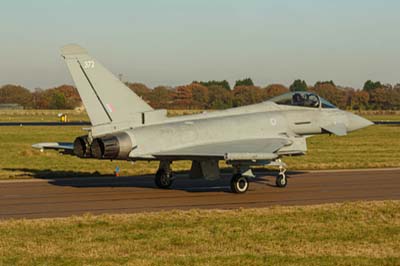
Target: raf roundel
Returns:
[273, 121]
[110, 107]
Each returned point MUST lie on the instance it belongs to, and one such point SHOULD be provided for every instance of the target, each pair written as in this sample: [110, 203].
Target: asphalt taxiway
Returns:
[37, 198]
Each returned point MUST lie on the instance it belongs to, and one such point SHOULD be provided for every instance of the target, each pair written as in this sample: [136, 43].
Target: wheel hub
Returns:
[165, 180]
[242, 184]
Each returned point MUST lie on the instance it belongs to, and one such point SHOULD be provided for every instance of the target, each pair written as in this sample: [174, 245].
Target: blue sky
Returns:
[174, 42]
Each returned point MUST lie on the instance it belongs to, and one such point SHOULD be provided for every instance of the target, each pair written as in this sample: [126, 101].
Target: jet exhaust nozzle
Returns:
[115, 146]
[82, 147]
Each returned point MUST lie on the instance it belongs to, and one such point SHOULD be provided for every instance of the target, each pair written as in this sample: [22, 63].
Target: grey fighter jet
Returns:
[124, 127]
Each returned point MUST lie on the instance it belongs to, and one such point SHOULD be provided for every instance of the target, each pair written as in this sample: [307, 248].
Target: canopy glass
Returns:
[302, 98]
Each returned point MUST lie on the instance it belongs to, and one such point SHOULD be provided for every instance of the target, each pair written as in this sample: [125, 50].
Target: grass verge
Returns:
[79, 115]
[52, 115]
[374, 147]
[365, 233]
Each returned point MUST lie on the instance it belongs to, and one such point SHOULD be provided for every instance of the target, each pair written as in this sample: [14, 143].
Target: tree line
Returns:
[215, 95]
[62, 97]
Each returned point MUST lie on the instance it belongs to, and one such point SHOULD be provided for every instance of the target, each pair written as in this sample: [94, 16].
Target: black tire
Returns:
[163, 179]
[239, 184]
[281, 181]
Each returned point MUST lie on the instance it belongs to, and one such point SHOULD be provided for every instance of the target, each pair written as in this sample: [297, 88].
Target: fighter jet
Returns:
[125, 127]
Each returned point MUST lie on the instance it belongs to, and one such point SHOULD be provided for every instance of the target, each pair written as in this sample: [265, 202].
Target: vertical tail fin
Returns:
[105, 97]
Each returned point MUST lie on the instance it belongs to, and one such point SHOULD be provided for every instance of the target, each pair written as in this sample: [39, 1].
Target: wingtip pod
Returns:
[72, 49]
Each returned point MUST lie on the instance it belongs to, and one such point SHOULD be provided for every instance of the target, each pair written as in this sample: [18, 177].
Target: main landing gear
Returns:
[239, 184]
[240, 179]
[164, 177]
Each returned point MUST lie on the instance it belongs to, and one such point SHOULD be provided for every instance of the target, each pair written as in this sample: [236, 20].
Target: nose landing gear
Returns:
[281, 179]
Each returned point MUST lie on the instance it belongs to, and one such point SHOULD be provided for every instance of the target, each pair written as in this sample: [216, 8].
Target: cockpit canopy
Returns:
[302, 98]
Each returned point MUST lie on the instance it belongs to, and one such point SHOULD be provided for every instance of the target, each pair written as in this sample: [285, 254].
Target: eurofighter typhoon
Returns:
[125, 127]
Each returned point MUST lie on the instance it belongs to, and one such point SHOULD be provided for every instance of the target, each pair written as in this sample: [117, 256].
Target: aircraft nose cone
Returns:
[356, 122]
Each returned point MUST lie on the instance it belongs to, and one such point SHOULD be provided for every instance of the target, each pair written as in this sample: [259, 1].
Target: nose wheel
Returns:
[281, 179]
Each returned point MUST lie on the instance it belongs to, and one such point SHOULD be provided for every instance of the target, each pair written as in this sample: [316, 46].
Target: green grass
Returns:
[75, 115]
[337, 234]
[382, 117]
[21, 161]
[373, 147]
[52, 115]
[376, 147]
[40, 115]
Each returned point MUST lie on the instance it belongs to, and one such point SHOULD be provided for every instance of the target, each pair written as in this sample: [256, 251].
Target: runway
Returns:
[39, 198]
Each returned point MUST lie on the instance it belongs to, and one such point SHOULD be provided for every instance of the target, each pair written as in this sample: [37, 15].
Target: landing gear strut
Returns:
[163, 178]
[281, 179]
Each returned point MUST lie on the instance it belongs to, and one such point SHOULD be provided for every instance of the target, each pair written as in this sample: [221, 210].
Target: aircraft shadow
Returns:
[183, 182]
